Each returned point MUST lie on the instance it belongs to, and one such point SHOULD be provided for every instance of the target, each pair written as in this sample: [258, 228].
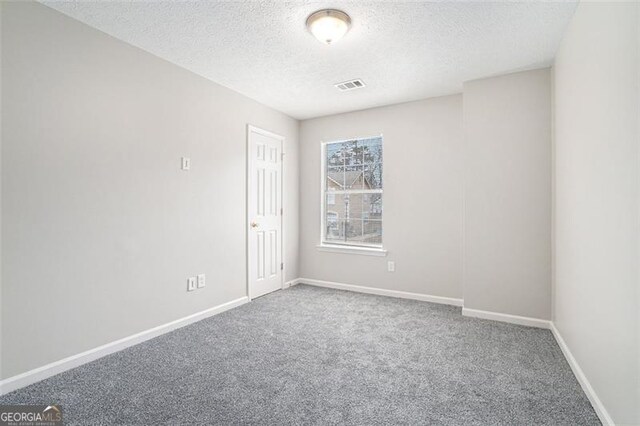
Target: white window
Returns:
[352, 192]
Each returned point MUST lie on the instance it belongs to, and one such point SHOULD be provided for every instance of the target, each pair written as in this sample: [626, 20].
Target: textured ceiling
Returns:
[404, 50]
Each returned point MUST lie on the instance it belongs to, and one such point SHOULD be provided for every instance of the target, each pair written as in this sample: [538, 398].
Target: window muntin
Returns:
[352, 192]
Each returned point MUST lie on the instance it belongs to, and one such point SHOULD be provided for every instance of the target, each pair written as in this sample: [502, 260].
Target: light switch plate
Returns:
[186, 163]
[191, 283]
[201, 281]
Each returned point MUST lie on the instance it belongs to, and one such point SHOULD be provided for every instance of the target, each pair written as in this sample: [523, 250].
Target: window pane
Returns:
[334, 228]
[336, 217]
[372, 206]
[352, 155]
[372, 150]
[334, 155]
[358, 154]
[335, 178]
[373, 176]
[344, 205]
[372, 232]
[353, 177]
[353, 206]
[354, 230]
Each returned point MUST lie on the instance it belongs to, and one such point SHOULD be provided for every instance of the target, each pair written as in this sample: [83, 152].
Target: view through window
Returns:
[353, 192]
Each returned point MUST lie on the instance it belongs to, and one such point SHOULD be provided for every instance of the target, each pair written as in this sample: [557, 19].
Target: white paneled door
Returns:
[265, 212]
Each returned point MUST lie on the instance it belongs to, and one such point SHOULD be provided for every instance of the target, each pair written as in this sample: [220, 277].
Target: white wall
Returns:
[100, 227]
[507, 212]
[422, 219]
[596, 290]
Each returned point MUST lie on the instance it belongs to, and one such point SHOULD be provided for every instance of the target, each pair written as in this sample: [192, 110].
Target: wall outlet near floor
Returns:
[201, 281]
[191, 283]
[391, 266]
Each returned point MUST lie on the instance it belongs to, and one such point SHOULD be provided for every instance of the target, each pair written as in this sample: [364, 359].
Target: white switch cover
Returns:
[191, 283]
[201, 282]
[186, 163]
[391, 266]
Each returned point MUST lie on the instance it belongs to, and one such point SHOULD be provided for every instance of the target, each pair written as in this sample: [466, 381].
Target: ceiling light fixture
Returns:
[328, 25]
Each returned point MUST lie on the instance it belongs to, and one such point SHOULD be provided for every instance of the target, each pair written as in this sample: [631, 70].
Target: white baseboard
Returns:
[291, 283]
[513, 319]
[602, 413]
[382, 292]
[21, 380]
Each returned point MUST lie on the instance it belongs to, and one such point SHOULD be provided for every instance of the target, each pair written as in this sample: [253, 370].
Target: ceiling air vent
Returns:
[350, 85]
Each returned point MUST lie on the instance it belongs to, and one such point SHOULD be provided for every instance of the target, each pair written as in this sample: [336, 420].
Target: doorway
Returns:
[264, 211]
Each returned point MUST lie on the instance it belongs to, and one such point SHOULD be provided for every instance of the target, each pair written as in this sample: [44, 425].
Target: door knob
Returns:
[254, 225]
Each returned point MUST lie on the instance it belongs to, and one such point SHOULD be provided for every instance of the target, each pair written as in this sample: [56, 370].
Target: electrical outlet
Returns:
[391, 266]
[191, 283]
[186, 163]
[201, 282]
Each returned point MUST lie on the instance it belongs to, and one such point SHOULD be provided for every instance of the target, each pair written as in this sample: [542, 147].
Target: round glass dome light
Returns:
[328, 25]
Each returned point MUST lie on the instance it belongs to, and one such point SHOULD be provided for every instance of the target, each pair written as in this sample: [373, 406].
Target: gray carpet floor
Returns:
[309, 355]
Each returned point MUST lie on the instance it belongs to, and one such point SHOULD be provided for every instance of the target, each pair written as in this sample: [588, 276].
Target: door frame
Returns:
[254, 129]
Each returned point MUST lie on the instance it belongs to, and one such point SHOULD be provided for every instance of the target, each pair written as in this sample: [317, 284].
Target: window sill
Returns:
[365, 251]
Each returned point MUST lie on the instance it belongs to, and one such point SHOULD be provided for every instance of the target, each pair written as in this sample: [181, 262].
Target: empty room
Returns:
[319, 213]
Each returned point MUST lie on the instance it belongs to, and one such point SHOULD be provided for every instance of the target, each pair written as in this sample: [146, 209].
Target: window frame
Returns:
[346, 247]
